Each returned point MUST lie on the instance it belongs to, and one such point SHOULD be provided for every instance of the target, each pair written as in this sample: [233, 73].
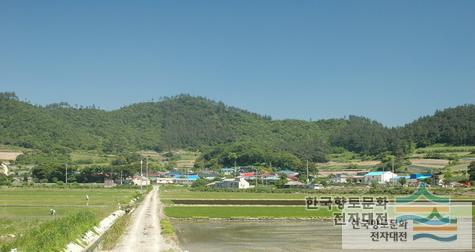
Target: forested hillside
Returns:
[224, 134]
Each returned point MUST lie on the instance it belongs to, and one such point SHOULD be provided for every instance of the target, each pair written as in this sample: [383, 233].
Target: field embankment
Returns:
[55, 234]
[23, 210]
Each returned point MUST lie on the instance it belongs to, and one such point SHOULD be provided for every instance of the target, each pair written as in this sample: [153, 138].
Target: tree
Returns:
[201, 182]
[4, 180]
[282, 181]
[448, 177]
[471, 171]
[402, 181]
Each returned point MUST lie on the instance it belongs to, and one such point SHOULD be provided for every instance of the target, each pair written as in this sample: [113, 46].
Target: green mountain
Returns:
[224, 134]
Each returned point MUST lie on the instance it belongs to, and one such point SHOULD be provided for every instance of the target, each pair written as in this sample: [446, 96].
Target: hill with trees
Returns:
[222, 133]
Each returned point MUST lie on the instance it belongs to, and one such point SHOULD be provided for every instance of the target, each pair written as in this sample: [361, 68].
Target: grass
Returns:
[445, 149]
[90, 157]
[244, 212]
[54, 235]
[24, 209]
[110, 238]
[166, 228]
[168, 194]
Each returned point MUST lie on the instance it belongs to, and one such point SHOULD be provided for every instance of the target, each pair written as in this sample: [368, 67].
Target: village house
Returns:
[4, 169]
[185, 179]
[239, 183]
[140, 180]
[339, 178]
[294, 184]
[165, 180]
[314, 186]
[379, 176]
[357, 179]
[227, 171]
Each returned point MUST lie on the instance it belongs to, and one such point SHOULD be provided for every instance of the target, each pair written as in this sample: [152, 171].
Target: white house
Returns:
[137, 180]
[240, 183]
[165, 180]
[4, 169]
[379, 176]
[339, 178]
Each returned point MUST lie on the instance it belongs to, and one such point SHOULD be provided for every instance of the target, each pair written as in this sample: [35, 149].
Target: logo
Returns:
[430, 214]
[421, 220]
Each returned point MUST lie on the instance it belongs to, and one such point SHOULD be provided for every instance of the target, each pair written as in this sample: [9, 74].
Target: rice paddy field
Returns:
[23, 209]
[184, 203]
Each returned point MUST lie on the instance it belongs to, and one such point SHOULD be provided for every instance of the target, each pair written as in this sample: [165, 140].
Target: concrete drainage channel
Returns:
[91, 239]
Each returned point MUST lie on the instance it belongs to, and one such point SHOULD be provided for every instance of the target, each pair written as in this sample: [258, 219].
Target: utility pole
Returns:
[307, 172]
[235, 168]
[66, 173]
[146, 166]
[392, 164]
[255, 175]
[141, 174]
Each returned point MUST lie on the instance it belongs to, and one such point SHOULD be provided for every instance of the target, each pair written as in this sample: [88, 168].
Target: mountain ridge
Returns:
[190, 122]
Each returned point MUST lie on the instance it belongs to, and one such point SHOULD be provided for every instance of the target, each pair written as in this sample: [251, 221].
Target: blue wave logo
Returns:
[432, 225]
[435, 237]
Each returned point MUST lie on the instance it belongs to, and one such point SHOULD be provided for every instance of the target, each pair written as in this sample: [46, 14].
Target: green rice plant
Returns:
[56, 234]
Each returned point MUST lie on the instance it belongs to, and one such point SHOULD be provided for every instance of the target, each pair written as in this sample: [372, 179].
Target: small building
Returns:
[397, 179]
[185, 179]
[314, 186]
[349, 172]
[420, 176]
[294, 184]
[4, 169]
[109, 183]
[165, 180]
[339, 178]
[357, 179]
[248, 174]
[154, 176]
[289, 173]
[239, 183]
[227, 171]
[270, 177]
[207, 174]
[379, 176]
[140, 180]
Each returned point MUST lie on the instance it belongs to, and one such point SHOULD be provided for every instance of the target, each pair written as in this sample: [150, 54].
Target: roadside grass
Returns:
[166, 228]
[54, 235]
[244, 212]
[23, 209]
[112, 236]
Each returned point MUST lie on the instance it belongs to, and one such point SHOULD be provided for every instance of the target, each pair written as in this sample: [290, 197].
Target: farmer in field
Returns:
[52, 211]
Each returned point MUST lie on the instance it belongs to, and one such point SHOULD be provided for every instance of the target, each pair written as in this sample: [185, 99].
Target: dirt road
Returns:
[143, 234]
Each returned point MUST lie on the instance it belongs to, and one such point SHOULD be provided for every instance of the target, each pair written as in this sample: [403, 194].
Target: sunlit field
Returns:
[22, 209]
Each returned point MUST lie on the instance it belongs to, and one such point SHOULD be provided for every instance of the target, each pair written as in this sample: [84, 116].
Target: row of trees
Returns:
[53, 170]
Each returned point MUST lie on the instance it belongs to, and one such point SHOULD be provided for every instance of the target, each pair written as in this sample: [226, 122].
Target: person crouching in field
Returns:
[52, 211]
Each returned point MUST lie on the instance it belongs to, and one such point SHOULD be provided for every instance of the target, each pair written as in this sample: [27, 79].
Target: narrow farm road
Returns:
[143, 233]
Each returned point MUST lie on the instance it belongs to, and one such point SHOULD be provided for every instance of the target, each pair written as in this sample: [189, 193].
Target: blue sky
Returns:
[391, 61]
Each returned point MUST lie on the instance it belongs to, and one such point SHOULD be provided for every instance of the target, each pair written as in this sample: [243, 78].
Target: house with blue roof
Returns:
[420, 176]
[381, 177]
[185, 179]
